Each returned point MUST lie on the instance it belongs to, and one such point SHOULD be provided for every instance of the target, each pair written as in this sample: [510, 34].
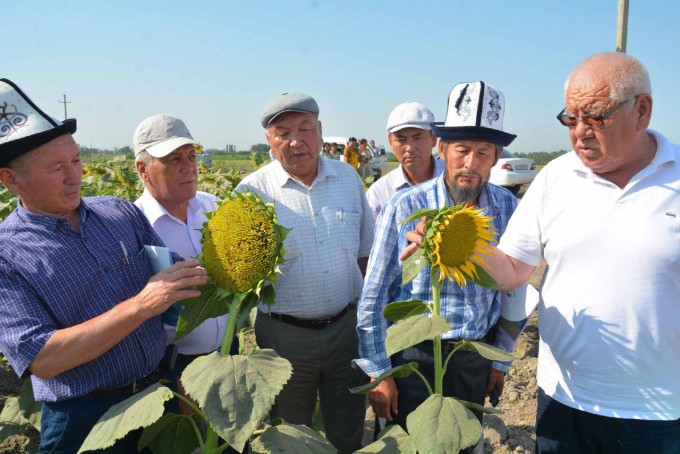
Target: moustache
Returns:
[462, 173]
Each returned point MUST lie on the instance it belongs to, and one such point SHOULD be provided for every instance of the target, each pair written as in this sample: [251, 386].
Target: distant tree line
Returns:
[541, 158]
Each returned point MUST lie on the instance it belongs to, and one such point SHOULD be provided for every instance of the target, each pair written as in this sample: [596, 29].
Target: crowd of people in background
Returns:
[77, 295]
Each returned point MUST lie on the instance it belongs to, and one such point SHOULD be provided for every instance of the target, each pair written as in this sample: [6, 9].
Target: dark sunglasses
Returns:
[571, 121]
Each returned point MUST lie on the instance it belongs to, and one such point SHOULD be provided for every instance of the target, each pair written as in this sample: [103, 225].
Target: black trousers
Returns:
[465, 378]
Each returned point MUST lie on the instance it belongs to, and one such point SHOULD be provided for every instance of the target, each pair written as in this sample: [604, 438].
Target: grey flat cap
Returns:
[288, 102]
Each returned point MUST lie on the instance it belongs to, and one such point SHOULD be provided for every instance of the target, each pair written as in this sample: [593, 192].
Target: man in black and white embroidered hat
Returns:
[471, 139]
[79, 306]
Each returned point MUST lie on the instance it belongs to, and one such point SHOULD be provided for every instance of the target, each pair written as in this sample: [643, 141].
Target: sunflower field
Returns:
[119, 178]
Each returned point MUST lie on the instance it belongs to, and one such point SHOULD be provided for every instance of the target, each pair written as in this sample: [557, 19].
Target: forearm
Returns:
[70, 347]
[507, 271]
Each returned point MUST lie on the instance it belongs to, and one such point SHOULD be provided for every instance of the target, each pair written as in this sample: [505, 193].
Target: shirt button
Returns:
[321, 242]
[325, 272]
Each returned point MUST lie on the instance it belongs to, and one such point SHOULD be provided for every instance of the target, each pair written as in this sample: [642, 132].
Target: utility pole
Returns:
[64, 102]
[622, 27]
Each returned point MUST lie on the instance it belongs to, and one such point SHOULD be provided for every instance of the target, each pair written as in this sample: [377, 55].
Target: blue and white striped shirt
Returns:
[471, 310]
[52, 277]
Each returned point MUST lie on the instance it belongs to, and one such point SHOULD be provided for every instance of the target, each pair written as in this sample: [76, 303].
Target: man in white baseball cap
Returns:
[166, 163]
[410, 136]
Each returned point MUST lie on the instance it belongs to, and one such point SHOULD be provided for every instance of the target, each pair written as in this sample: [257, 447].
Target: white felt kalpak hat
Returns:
[475, 112]
[23, 125]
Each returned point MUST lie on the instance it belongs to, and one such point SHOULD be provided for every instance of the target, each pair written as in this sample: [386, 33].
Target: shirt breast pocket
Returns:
[136, 272]
[350, 230]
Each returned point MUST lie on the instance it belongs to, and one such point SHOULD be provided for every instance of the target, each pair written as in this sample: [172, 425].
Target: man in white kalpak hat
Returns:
[79, 306]
[471, 140]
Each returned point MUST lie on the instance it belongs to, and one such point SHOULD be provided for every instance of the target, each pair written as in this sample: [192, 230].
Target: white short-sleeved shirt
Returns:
[609, 315]
[332, 226]
[185, 239]
[382, 190]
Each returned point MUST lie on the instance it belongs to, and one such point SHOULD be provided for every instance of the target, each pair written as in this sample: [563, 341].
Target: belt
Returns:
[318, 323]
[132, 388]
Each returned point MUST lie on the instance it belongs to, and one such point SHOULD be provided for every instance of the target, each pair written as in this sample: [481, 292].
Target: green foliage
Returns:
[443, 424]
[414, 330]
[236, 392]
[140, 410]
[541, 158]
[291, 439]
[260, 148]
[400, 310]
[20, 412]
[178, 434]
[256, 158]
[391, 440]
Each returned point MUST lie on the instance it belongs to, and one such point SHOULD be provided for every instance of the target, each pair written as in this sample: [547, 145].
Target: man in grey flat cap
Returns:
[313, 323]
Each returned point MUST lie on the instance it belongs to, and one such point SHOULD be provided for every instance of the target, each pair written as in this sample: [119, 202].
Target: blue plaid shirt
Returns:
[471, 310]
[52, 278]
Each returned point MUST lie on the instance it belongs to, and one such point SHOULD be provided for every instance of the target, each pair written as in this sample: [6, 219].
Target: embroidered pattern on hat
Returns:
[493, 114]
[463, 102]
[10, 120]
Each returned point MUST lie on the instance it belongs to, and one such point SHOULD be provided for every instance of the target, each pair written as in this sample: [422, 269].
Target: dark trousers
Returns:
[321, 360]
[465, 378]
[65, 425]
[563, 429]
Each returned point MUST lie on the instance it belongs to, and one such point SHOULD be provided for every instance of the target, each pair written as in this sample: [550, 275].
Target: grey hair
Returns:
[629, 77]
[144, 157]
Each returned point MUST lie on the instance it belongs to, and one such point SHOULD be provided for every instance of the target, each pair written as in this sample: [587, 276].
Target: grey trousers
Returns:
[321, 360]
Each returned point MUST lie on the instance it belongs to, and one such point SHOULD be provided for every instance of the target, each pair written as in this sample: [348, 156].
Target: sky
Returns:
[216, 64]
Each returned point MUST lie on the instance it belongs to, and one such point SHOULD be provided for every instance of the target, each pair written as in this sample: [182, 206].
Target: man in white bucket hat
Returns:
[472, 137]
[79, 306]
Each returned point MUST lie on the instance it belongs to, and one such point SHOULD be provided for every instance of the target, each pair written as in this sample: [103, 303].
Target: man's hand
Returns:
[416, 238]
[171, 285]
[496, 379]
[383, 398]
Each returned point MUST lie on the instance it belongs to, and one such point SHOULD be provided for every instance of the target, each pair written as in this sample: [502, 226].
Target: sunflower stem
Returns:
[438, 371]
[230, 329]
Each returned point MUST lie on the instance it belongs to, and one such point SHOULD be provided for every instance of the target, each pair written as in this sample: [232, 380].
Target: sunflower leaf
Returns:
[484, 279]
[397, 372]
[400, 310]
[291, 439]
[414, 330]
[487, 351]
[423, 212]
[171, 433]
[481, 408]
[392, 439]
[236, 392]
[30, 409]
[413, 266]
[212, 302]
[443, 424]
[140, 410]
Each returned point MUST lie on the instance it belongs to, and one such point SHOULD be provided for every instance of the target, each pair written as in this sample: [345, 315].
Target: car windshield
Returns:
[506, 154]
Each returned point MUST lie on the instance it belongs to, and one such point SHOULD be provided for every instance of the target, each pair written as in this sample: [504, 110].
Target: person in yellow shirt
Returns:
[352, 153]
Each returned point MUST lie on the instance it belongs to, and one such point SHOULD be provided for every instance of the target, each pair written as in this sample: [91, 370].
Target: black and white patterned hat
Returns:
[23, 125]
[475, 112]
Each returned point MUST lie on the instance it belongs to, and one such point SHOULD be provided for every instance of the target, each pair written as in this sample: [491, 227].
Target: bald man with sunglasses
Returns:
[606, 219]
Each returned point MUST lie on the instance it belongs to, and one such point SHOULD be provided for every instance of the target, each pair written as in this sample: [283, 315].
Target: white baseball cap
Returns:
[409, 114]
[160, 135]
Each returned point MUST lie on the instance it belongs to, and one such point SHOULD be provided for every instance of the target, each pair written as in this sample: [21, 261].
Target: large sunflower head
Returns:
[454, 237]
[243, 243]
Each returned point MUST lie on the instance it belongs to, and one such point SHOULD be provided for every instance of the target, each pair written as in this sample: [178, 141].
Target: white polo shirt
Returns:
[382, 190]
[185, 239]
[609, 315]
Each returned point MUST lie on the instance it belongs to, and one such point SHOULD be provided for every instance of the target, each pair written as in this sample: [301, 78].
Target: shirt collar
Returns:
[401, 181]
[154, 210]
[50, 222]
[324, 169]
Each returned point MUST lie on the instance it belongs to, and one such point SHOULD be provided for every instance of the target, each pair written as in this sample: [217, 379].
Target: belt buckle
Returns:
[322, 322]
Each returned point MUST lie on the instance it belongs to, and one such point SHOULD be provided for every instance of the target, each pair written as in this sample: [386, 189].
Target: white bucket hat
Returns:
[475, 112]
[23, 125]
[160, 135]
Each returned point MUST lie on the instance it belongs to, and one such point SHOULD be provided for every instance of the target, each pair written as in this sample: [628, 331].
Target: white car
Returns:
[512, 172]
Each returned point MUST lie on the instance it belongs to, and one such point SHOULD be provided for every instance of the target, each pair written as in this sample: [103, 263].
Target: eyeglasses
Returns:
[571, 121]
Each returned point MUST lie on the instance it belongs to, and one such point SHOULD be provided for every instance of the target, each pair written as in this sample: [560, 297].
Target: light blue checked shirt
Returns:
[471, 310]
